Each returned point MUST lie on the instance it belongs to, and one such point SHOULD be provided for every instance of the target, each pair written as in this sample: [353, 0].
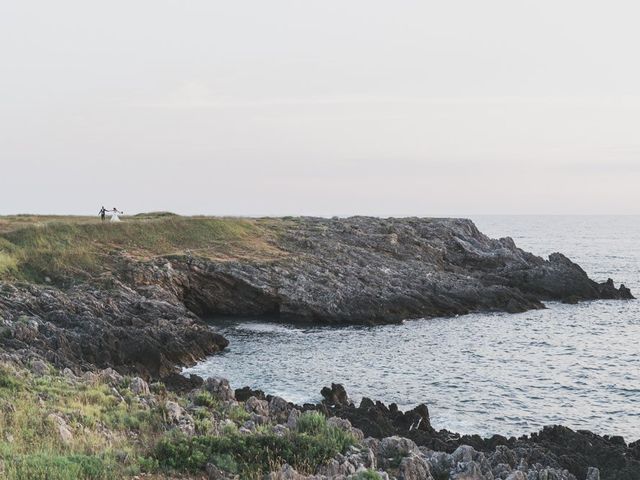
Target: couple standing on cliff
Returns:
[114, 213]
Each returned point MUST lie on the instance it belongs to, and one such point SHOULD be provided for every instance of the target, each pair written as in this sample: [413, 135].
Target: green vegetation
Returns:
[251, 456]
[368, 475]
[205, 399]
[57, 427]
[63, 249]
[59, 467]
[31, 444]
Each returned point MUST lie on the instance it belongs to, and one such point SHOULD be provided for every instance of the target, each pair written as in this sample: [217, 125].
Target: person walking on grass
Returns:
[102, 213]
[115, 214]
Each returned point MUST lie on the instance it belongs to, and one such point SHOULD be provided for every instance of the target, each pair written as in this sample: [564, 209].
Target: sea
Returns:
[485, 373]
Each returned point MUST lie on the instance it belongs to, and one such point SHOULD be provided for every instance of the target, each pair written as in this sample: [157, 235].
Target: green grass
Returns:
[63, 249]
[115, 436]
[205, 399]
[31, 447]
[252, 456]
[312, 423]
[368, 475]
[42, 466]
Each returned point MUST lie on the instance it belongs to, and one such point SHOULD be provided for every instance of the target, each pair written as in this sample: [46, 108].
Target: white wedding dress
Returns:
[114, 216]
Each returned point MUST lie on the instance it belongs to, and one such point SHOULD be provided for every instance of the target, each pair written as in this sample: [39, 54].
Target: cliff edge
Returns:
[84, 294]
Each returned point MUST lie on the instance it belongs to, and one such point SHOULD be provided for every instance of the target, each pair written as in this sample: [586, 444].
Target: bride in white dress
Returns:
[115, 214]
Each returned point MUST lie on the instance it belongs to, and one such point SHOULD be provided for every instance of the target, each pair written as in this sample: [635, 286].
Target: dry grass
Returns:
[34, 247]
[110, 436]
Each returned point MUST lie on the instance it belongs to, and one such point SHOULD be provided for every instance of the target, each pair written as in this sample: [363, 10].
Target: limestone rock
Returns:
[174, 411]
[110, 377]
[414, 467]
[219, 388]
[259, 407]
[396, 447]
[593, 473]
[39, 367]
[279, 409]
[63, 429]
[292, 420]
[139, 386]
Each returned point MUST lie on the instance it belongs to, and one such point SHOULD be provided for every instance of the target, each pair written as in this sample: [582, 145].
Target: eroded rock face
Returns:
[85, 328]
[64, 431]
[220, 389]
[336, 395]
[139, 386]
[376, 270]
[553, 453]
[143, 316]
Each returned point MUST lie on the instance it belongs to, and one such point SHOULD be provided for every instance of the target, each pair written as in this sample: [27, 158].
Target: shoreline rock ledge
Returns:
[144, 314]
[555, 452]
[374, 270]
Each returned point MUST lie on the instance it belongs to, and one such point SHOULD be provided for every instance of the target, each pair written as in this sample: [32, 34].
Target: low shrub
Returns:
[253, 455]
[368, 475]
[312, 423]
[44, 466]
[206, 399]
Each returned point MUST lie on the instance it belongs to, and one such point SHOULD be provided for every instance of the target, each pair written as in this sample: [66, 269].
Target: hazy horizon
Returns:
[320, 108]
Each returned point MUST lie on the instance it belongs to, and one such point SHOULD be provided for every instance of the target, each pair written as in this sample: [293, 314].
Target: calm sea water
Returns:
[577, 365]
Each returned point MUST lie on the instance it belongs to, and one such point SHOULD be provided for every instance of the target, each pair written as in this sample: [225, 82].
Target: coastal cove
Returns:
[99, 319]
[485, 373]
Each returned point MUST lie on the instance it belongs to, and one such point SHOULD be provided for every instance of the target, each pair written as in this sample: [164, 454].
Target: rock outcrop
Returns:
[578, 453]
[372, 270]
[86, 327]
[144, 315]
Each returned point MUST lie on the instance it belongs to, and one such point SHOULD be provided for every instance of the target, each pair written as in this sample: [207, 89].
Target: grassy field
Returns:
[58, 427]
[62, 248]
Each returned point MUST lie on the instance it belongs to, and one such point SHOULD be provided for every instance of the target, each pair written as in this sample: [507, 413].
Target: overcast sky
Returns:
[320, 107]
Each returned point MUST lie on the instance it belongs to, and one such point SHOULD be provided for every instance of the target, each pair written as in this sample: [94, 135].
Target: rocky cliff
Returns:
[139, 307]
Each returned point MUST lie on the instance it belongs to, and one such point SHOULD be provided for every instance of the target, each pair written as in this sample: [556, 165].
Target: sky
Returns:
[306, 107]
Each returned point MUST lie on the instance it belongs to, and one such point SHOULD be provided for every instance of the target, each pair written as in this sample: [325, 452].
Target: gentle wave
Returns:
[578, 365]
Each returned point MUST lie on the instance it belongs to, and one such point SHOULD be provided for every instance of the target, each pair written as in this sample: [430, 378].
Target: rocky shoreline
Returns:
[141, 315]
[403, 445]
[205, 429]
[569, 453]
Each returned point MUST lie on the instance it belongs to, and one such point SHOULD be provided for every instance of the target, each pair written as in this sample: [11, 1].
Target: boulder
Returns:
[138, 386]
[516, 475]
[345, 425]
[464, 453]
[414, 467]
[242, 394]
[468, 471]
[292, 420]
[441, 463]
[174, 411]
[286, 472]
[279, 409]
[39, 367]
[259, 407]
[25, 330]
[336, 395]
[110, 377]
[64, 431]
[219, 388]
[397, 447]
[280, 430]
[593, 473]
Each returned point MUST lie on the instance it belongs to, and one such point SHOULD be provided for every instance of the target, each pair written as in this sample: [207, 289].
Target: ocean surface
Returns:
[511, 374]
